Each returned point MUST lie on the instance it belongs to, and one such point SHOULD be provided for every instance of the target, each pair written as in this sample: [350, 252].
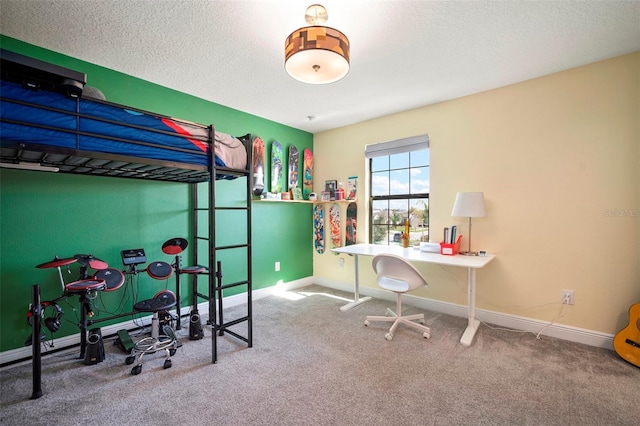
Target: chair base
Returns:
[150, 345]
[400, 319]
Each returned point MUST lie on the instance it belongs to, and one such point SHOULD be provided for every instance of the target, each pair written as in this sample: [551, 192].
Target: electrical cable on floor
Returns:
[512, 330]
[557, 317]
[560, 314]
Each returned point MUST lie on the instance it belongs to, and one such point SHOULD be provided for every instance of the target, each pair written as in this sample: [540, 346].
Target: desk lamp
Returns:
[469, 204]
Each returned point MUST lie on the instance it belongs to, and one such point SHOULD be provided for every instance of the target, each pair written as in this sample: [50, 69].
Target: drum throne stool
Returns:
[163, 301]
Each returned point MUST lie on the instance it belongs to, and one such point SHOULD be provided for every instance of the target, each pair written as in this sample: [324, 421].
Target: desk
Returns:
[413, 255]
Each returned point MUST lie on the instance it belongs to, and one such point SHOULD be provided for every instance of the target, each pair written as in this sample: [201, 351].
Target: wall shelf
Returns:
[272, 200]
[335, 201]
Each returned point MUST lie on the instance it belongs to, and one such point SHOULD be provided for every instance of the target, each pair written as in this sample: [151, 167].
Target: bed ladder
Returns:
[215, 274]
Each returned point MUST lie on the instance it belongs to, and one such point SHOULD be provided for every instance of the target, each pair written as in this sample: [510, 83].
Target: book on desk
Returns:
[450, 235]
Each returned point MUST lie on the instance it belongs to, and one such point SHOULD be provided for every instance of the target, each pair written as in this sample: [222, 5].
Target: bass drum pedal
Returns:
[195, 326]
[124, 342]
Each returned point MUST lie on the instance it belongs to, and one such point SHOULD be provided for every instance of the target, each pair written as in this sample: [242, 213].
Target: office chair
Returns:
[399, 276]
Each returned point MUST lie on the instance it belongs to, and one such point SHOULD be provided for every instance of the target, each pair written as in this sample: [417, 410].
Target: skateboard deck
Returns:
[257, 161]
[350, 224]
[334, 225]
[318, 228]
[276, 167]
[294, 157]
[307, 178]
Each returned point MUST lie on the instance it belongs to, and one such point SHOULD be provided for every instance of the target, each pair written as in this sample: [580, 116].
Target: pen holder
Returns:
[450, 249]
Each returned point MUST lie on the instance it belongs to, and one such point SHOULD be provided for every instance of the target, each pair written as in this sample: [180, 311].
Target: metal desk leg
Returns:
[356, 293]
[472, 327]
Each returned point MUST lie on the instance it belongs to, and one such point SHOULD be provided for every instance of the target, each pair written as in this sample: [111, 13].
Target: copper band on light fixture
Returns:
[317, 55]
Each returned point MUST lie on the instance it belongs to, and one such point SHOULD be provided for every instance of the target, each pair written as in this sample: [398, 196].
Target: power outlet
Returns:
[277, 267]
[341, 262]
[567, 297]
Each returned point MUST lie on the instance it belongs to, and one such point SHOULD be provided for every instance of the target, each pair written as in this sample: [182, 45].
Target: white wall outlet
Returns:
[277, 266]
[567, 297]
[341, 262]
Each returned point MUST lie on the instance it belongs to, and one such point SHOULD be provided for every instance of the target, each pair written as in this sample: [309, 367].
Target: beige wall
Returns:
[556, 157]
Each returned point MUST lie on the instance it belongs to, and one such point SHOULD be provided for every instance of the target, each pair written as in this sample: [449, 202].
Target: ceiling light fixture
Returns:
[316, 54]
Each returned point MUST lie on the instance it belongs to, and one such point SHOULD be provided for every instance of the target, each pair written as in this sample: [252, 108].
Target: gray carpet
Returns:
[312, 364]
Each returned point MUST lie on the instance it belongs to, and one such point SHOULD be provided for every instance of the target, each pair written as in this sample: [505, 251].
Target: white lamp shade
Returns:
[469, 204]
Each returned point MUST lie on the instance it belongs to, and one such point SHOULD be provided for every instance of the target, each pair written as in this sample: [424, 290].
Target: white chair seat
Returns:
[393, 284]
[399, 276]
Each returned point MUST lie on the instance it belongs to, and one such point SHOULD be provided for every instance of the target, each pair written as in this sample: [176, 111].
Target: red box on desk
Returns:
[451, 249]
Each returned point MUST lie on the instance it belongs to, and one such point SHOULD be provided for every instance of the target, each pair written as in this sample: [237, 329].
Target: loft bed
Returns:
[95, 137]
[47, 123]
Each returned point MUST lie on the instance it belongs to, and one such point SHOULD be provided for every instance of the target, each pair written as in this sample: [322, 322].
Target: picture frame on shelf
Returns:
[330, 187]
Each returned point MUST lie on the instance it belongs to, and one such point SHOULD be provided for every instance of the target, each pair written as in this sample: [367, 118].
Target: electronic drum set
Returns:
[104, 278]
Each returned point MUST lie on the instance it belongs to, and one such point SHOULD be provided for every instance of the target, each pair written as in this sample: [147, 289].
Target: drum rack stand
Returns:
[36, 315]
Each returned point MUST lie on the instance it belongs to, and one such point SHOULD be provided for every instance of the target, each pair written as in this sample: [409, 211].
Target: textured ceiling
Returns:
[404, 54]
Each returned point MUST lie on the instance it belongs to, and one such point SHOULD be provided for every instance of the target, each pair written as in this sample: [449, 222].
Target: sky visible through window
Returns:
[400, 188]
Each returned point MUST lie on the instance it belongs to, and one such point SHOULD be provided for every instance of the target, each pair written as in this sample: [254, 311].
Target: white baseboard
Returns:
[564, 332]
[573, 334]
[241, 299]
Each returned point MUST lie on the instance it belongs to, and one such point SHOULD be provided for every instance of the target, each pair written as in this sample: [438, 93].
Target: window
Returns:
[399, 180]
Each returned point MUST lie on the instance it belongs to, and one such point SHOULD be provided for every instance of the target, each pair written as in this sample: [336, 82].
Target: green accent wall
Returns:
[43, 215]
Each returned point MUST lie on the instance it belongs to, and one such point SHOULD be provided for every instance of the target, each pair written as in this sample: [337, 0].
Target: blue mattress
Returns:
[52, 119]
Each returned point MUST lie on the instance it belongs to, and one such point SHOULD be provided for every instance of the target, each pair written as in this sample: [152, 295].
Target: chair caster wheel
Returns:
[388, 336]
[129, 360]
[421, 321]
[367, 323]
[172, 352]
[426, 335]
[136, 370]
[167, 364]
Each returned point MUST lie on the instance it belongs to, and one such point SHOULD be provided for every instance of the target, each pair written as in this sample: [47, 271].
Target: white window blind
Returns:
[413, 143]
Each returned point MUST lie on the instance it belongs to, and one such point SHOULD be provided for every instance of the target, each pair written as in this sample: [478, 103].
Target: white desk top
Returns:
[416, 255]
